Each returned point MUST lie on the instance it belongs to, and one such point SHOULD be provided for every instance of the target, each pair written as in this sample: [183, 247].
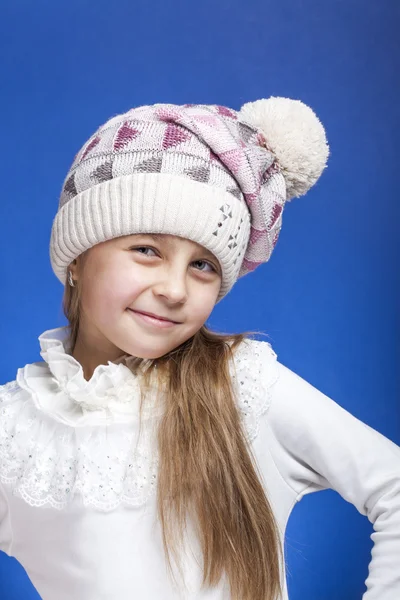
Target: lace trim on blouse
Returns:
[52, 447]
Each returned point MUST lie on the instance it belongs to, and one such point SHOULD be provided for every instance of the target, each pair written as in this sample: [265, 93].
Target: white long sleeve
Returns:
[318, 445]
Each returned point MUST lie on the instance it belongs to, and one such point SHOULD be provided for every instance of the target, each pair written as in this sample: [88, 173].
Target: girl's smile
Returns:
[152, 320]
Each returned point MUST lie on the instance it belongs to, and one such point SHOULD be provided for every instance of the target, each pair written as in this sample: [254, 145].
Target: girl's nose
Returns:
[173, 287]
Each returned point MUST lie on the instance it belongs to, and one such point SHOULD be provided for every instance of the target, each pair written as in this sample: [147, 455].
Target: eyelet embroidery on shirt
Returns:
[47, 462]
[253, 374]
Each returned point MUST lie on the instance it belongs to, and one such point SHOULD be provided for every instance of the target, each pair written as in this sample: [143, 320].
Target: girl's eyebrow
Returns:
[157, 237]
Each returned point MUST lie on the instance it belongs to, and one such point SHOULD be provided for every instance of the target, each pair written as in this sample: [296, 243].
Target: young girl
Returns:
[148, 457]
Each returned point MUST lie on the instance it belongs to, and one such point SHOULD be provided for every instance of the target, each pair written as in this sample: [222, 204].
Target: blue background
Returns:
[329, 296]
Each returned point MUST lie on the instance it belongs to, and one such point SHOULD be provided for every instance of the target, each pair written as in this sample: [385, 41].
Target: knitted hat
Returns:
[203, 172]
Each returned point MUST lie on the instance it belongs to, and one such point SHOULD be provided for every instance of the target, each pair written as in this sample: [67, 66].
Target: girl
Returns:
[148, 457]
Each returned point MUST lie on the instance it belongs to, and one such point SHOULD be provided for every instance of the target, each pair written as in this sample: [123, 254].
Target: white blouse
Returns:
[77, 491]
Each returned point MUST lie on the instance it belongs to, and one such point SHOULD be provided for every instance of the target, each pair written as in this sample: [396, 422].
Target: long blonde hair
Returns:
[206, 465]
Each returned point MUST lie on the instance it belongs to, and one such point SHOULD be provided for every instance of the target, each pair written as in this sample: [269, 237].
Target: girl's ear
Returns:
[76, 266]
[73, 268]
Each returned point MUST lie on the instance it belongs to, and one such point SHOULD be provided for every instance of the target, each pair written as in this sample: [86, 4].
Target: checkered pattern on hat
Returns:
[209, 144]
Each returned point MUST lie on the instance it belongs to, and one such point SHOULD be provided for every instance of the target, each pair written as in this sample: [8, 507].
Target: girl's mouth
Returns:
[151, 320]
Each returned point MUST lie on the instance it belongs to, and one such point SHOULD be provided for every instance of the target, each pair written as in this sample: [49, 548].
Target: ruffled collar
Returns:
[59, 384]
[113, 394]
[50, 447]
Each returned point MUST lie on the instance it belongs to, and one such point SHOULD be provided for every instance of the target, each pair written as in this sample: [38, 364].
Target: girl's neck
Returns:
[90, 355]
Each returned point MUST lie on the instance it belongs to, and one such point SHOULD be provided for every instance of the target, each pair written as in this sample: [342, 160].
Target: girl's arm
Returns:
[318, 445]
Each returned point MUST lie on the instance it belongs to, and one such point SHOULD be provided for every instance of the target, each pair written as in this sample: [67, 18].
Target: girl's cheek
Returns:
[204, 308]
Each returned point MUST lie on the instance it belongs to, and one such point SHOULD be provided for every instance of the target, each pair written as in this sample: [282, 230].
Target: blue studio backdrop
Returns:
[329, 296]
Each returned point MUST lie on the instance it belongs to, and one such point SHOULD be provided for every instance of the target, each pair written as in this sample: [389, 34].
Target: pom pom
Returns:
[296, 137]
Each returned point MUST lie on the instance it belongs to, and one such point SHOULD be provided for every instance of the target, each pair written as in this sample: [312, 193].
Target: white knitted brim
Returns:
[153, 203]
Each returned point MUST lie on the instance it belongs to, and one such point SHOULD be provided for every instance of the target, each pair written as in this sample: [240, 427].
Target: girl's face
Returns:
[165, 275]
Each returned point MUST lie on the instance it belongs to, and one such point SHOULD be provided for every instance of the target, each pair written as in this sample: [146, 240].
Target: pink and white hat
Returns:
[208, 173]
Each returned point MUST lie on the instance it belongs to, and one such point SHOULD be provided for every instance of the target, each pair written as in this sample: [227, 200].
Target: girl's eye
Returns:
[139, 248]
[204, 262]
[200, 264]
